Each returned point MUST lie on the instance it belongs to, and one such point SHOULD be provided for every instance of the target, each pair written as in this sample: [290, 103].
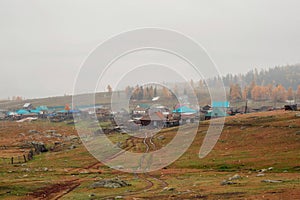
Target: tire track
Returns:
[69, 186]
[150, 180]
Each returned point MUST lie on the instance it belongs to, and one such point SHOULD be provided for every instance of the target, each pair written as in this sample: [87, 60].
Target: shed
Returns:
[155, 119]
[27, 106]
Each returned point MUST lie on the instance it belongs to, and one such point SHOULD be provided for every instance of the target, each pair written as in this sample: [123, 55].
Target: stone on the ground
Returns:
[73, 137]
[50, 131]
[235, 177]
[263, 170]
[161, 137]
[39, 147]
[57, 135]
[225, 182]
[84, 172]
[168, 189]
[32, 131]
[111, 183]
[271, 181]
[92, 195]
[72, 146]
[260, 174]
[118, 167]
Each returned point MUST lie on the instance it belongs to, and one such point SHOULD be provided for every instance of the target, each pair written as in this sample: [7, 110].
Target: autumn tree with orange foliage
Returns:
[235, 92]
[290, 94]
[279, 94]
[256, 93]
[298, 94]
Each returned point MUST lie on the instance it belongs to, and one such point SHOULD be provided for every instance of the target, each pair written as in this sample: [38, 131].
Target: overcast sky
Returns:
[43, 43]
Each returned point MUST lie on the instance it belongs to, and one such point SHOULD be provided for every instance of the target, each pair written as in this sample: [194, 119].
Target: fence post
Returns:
[12, 160]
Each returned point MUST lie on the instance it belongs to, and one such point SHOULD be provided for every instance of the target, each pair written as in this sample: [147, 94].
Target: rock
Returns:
[84, 172]
[235, 177]
[243, 128]
[270, 168]
[92, 195]
[72, 146]
[260, 174]
[73, 137]
[26, 170]
[168, 189]
[118, 167]
[45, 169]
[298, 133]
[111, 183]
[118, 197]
[39, 147]
[225, 182]
[285, 171]
[57, 135]
[161, 137]
[32, 131]
[50, 131]
[297, 115]
[263, 170]
[271, 181]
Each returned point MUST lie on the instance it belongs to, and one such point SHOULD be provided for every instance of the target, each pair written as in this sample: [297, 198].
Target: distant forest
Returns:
[287, 76]
[276, 84]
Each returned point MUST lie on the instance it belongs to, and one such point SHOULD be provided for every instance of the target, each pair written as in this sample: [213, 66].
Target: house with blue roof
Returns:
[219, 109]
[184, 109]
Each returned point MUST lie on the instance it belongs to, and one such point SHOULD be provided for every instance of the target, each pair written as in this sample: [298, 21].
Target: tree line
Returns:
[256, 92]
[277, 84]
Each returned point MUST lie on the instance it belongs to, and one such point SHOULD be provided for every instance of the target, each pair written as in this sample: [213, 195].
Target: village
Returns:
[142, 115]
[50, 128]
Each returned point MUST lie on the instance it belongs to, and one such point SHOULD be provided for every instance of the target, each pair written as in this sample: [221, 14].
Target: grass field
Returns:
[249, 145]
